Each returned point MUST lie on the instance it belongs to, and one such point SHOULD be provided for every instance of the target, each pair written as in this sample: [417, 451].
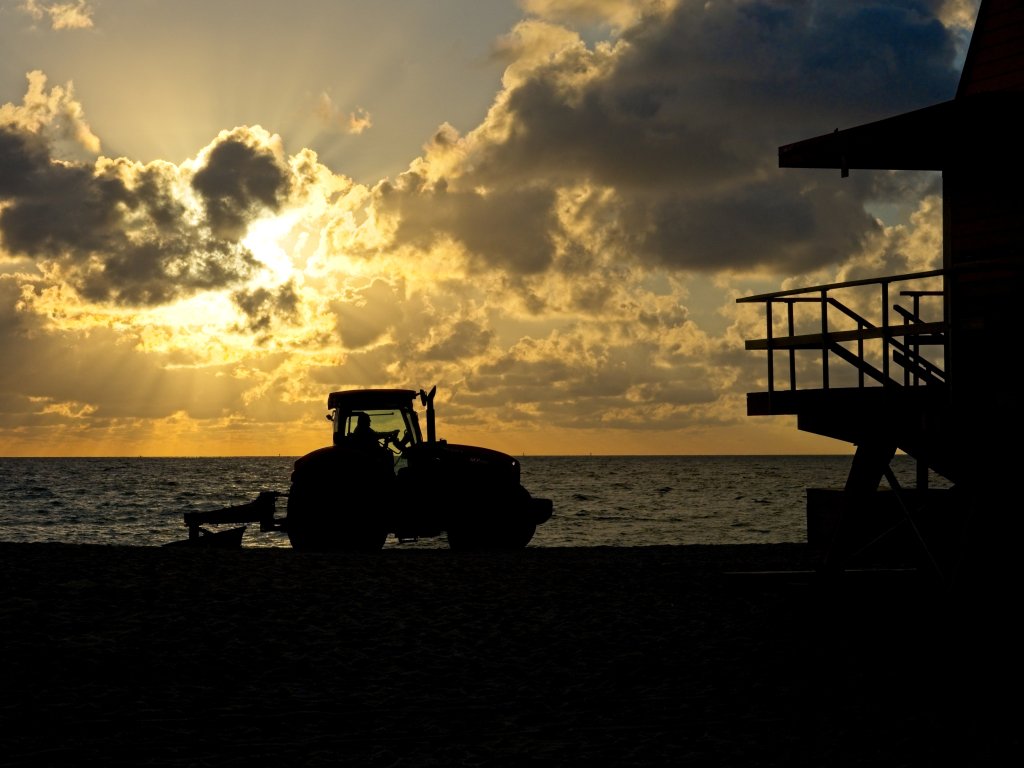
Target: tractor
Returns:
[381, 477]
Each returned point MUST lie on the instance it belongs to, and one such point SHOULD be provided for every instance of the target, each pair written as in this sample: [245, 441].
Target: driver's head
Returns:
[363, 421]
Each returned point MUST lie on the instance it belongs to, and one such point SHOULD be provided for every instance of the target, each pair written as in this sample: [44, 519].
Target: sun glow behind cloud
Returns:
[266, 238]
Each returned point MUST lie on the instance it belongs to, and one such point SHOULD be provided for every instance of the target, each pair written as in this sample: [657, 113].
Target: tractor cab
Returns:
[389, 411]
[386, 416]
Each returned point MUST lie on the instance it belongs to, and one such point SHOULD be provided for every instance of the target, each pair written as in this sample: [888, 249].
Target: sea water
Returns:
[618, 501]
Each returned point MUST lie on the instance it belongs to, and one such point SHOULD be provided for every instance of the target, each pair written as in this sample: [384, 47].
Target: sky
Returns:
[212, 214]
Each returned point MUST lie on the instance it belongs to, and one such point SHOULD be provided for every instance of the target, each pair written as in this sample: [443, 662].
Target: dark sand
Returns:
[650, 656]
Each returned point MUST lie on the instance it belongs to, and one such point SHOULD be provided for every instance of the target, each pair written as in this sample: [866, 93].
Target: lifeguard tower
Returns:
[926, 363]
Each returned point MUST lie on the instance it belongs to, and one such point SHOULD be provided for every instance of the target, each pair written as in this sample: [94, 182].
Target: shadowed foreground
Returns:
[643, 656]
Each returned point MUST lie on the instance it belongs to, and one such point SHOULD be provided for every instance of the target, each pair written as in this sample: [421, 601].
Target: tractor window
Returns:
[381, 421]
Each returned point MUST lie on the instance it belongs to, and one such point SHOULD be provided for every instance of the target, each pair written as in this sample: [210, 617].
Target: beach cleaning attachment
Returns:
[262, 510]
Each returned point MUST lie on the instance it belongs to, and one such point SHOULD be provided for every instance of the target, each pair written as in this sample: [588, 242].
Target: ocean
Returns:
[599, 501]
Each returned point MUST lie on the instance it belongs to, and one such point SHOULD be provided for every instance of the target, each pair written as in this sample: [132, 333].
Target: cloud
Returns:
[262, 306]
[241, 175]
[489, 225]
[665, 139]
[334, 118]
[656, 147]
[364, 316]
[55, 116]
[77, 15]
[129, 233]
[617, 14]
[959, 13]
[572, 261]
[465, 339]
[114, 230]
[98, 374]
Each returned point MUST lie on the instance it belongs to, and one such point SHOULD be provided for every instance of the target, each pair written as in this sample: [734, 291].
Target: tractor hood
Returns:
[471, 459]
[476, 455]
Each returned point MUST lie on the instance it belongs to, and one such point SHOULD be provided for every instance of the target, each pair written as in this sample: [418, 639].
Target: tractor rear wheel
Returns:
[334, 505]
[318, 525]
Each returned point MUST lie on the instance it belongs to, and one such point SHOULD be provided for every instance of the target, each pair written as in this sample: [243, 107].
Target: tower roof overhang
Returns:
[967, 131]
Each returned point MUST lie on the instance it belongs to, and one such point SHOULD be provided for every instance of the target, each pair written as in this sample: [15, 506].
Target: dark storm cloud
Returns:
[54, 207]
[262, 306]
[505, 228]
[757, 223]
[607, 138]
[788, 62]
[238, 181]
[21, 155]
[118, 231]
[686, 123]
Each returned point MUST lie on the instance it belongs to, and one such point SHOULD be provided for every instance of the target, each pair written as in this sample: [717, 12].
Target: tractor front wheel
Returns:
[502, 526]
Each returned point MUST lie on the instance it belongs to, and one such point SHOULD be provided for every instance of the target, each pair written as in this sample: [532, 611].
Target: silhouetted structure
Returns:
[369, 484]
[928, 359]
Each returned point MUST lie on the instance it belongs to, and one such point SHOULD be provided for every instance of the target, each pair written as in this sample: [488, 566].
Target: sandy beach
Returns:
[651, 656]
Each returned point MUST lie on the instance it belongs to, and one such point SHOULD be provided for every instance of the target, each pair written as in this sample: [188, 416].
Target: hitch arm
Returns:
[261, 510]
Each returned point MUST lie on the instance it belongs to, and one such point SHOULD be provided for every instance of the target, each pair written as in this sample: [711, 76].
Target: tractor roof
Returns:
[358, 399]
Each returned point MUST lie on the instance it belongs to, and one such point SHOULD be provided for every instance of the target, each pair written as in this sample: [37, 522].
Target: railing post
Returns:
[792, 352]
[917, 339]
[771, 349]
[885, 330]
[824, 339]
[860, 356]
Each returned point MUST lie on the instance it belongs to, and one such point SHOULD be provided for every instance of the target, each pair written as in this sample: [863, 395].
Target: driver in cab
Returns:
[364, 436]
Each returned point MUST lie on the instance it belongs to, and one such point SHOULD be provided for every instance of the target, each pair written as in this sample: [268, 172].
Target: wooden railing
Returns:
[837, 327]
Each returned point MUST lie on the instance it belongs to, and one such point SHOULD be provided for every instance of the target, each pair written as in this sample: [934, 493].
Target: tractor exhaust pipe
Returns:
[427, 399]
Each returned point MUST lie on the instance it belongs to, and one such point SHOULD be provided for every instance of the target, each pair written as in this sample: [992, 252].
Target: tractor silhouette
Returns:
[382, 477]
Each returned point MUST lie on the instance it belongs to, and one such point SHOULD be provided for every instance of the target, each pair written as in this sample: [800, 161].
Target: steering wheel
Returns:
[389, 440]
